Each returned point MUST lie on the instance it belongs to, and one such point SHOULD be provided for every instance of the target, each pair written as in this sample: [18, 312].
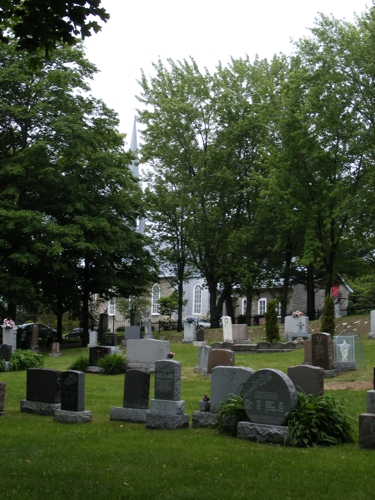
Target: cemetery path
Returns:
[359, 385]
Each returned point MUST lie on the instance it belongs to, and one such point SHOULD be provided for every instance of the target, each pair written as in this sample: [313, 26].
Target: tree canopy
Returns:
[45, 24]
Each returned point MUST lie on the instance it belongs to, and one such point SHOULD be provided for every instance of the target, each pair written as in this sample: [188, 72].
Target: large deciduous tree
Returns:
[69, 204]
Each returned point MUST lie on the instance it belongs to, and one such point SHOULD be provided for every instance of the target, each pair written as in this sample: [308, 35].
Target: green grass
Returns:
[42, 459]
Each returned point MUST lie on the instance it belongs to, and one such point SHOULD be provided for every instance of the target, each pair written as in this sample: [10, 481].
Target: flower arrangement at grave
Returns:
[191, 319]
[171, 355]
[8, 323]
[204, 403]
[297, 314]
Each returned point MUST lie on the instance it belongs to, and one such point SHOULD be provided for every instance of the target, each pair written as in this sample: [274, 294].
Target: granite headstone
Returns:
[268, 395]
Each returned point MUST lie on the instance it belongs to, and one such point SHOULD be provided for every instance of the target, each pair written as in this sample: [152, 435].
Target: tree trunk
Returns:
[249, 303]
[310, 288]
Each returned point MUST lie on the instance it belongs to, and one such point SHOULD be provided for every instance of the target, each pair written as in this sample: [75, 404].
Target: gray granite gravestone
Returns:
[43, 391]
[308, 378]
[202, 359]
[268, 395]
[72, 399]
[2, 397]
[142, 353]
[219, 357]
[132, 332]
[322, 350]
[227, 380]
[6, 351]
[136, 397]
[167, 410]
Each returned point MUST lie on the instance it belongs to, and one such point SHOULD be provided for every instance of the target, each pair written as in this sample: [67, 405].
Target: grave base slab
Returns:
[39, 408]
[262, 433]
[72, 417]
[204, 419]
[163, 422]
[136, 415]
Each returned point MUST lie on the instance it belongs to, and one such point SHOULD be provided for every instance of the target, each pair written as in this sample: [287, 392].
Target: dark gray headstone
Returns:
[73, 390]
[110, 339]
[132, 332]
[43, 385]
[308, 378]
[322, 350]
[6, 351]
[98, 352]
[308, 351]
[168, 380]
[268, 395]
[136, 389]
[2, 396]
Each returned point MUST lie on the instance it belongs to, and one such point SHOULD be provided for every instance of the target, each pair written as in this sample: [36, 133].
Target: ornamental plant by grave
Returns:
[2, 364]
[328, 316]
[272, 327]
[113, 364]
[81, 363]
[231, 412]
[25, 359]
[319, 421]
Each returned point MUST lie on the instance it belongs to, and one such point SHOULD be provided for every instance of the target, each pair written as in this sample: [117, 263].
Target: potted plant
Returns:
[204, 403]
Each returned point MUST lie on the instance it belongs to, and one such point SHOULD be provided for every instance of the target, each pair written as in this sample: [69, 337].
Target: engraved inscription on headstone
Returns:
[168, 380]
[96, 353]
[268, 395]
[110, 339]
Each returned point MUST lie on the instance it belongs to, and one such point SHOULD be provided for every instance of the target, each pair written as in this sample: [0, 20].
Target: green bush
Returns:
[319, 421]
[231, 412]
[2, 364]
[23, 360]
[120, 329]
[113, 364]
[272, 327]
[328, 316]
[80, 364]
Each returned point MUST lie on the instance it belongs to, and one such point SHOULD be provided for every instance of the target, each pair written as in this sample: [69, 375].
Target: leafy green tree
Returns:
[169, 304]
[328, 316]
[44, 24]
[69, 203]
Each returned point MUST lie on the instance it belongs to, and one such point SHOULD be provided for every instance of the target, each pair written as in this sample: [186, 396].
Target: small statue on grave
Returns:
[344, 349]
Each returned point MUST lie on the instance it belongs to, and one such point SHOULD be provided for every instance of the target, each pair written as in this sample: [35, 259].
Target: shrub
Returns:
[25, 359]
[113, 364]
[2, 364]
[328, 316]
[231, 412]
[120, 329]
[272, 327]
[319, 421]
[80, 364]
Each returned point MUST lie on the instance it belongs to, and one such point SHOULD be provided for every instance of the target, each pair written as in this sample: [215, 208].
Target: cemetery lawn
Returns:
[42, 459]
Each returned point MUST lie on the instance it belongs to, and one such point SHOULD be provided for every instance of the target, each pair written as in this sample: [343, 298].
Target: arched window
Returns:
[155, 296]
[197, 300]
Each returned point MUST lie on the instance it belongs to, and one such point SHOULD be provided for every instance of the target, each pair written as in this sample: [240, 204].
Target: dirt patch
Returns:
[359, 385]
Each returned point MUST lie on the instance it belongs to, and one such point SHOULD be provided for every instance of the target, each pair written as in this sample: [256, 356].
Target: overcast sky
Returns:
[140, 32]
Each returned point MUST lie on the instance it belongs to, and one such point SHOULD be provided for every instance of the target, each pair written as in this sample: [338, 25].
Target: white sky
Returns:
[139, 32]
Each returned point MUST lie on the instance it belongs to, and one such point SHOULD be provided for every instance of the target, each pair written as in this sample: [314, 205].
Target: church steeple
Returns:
[135, 170]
